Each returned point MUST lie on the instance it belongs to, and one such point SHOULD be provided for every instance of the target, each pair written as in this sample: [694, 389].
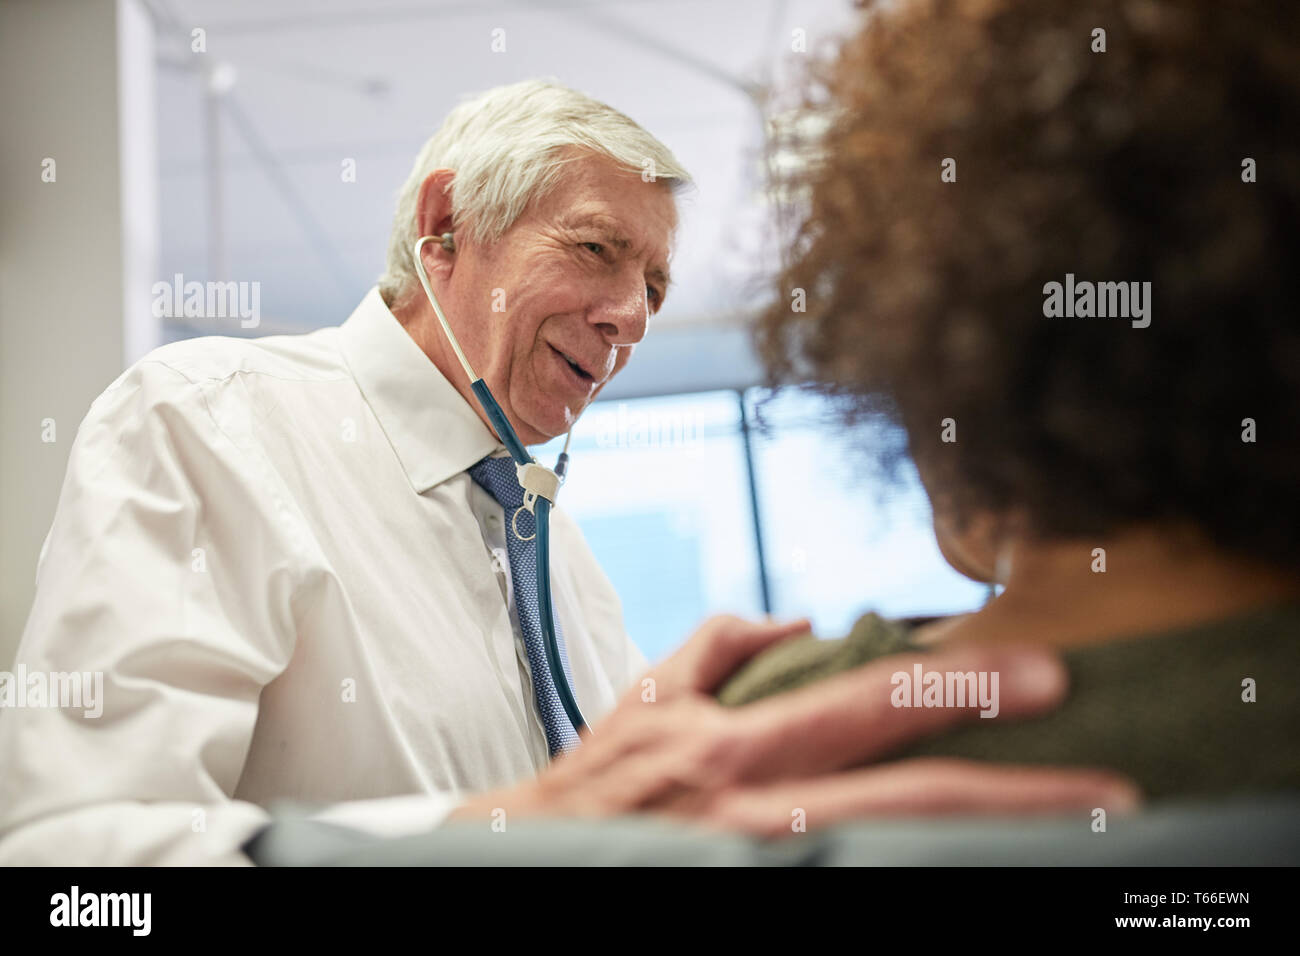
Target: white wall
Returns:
[77, 255]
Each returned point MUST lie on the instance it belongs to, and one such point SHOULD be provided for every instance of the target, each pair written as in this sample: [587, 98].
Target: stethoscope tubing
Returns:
[542, 507]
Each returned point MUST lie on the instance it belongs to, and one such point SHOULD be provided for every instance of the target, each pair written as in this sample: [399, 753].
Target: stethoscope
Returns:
[541, 486]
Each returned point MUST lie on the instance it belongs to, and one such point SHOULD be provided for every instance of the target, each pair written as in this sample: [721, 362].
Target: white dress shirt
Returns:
[271, 550]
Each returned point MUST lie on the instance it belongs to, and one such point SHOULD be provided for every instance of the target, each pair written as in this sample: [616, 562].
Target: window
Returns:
[693, 510]
[835, 544]
[659, 488]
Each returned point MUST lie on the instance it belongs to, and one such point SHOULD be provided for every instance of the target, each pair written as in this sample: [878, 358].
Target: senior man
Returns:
[287, 557]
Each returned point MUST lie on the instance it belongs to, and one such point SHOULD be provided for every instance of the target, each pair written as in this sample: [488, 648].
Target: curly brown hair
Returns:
[925, 298]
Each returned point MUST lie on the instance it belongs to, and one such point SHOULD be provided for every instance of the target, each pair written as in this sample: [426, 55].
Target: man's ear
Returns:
[433, 204]
[433, 218]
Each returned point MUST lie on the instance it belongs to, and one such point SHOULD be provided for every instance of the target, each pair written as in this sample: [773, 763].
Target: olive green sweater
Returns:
[1166, 710]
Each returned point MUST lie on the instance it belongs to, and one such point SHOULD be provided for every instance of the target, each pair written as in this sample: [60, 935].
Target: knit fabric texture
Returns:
[1166, 710]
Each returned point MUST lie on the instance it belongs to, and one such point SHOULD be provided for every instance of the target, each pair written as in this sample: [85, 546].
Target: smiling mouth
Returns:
[577, 369]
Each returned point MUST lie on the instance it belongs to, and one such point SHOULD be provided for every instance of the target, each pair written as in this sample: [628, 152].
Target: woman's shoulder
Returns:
[803, 660]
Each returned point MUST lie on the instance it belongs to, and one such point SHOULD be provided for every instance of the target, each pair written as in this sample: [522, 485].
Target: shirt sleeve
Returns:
[169, 583]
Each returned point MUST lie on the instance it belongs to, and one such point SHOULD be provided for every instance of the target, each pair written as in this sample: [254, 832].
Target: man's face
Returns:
[571, 283]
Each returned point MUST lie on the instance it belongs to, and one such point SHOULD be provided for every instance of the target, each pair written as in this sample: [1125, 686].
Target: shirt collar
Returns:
[434, 431]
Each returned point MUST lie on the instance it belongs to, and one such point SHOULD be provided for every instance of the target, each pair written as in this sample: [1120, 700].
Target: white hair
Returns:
[504, 146]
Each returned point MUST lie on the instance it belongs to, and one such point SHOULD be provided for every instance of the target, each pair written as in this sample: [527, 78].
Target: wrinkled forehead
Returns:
[617, 208]
[596, 191]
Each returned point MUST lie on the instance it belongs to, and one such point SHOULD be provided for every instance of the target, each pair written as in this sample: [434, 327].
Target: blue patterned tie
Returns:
[498, 477]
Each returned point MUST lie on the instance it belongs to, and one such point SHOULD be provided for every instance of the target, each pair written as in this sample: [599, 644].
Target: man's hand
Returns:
[680, 753]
